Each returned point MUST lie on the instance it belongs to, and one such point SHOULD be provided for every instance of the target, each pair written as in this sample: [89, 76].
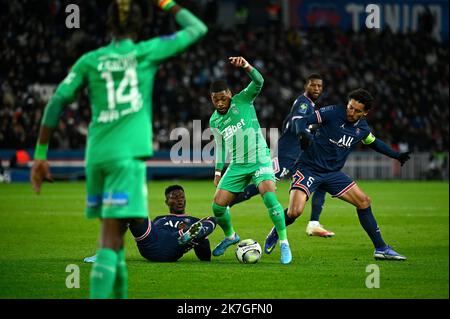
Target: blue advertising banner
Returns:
[400, 15]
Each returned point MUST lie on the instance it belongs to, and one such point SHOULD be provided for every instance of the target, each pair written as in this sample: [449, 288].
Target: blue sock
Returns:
[288, 220]
[250, 191]
[369, 224]
[317, 202]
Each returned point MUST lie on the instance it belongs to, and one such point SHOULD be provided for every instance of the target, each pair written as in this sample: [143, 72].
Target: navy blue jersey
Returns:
[335, 139]
[288, 143]
[177, 222]
[157, 240]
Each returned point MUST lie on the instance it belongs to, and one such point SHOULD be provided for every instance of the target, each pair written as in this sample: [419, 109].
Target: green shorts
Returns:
[117, 189]
[238, 176]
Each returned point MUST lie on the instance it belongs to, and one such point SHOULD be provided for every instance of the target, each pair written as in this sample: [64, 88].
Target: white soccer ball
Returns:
[248, 251]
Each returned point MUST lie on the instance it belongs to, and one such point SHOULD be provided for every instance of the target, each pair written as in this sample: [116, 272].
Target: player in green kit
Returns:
[237, 132]
[120, 79]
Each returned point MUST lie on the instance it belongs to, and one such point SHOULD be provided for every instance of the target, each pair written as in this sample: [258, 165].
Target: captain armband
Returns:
[369, 139]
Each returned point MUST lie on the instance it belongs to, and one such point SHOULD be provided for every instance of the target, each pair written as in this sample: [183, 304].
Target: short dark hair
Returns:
[218, 86]
[362, 96]
[124, 19]
[172, 188]
[314, 76]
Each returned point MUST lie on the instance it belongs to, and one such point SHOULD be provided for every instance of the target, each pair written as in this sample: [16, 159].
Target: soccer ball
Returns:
[248, 251]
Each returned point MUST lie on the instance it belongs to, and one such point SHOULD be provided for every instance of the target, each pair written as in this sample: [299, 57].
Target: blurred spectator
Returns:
[20, 159]
[438, 167]
[407, 73]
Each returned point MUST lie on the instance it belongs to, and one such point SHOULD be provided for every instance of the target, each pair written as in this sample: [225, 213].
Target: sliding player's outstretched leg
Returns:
[199, 229]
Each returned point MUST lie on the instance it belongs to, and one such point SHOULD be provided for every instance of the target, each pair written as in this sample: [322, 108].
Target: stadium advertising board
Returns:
[400, 16]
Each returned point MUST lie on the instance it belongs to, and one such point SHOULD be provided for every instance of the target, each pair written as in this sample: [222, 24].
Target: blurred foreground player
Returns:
[169, 237]
[120, 78]
[341, 129]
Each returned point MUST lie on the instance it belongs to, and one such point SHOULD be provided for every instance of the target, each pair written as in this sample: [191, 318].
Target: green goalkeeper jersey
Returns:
[237, 133]
[119, 78]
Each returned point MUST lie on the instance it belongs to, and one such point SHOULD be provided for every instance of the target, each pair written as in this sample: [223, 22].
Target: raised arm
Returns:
[381, 147]
[254, 88]
[64, 94]
[193, 29]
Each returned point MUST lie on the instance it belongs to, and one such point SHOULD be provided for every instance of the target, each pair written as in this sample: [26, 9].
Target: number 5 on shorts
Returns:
[298, 178]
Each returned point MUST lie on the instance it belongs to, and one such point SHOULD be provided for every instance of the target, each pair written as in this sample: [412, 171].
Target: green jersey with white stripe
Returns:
[238, 132]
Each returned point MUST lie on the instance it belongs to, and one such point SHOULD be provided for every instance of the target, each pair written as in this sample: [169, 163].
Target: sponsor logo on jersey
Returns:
[174, 225]
[344, 141]
[230, 130]
[264, 170]
[303, 107]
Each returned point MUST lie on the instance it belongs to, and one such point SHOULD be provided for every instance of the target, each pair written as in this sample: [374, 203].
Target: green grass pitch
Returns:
[41, 235]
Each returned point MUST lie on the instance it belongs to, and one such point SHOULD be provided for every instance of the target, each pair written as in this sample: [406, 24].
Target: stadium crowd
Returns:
[407, 73]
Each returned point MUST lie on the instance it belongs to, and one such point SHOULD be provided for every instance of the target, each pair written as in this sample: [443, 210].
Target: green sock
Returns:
[120, 290]
[276, 214]
[223, 219]
[103, 274]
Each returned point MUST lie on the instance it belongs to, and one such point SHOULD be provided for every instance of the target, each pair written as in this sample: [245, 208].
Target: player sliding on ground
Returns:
[236, 131]
[167, 238]
[341, 129]
[120, 80]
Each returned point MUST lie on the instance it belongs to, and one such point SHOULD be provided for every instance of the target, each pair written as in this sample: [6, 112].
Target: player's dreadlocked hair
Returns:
[124, 18]
[362, 96]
